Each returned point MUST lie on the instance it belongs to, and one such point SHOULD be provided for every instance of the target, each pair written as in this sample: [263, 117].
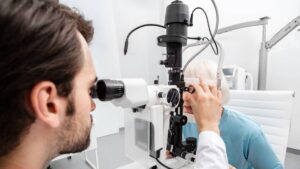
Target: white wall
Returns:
[241, 47]
[112, 21]
[143, 54]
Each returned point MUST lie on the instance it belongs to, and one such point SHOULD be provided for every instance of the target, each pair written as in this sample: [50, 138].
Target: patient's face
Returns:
[186, 106]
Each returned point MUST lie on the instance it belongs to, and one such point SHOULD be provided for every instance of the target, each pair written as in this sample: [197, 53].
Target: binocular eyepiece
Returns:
[107, 90]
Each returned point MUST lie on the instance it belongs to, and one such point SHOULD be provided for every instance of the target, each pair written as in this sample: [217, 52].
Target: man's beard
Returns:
[73, 137]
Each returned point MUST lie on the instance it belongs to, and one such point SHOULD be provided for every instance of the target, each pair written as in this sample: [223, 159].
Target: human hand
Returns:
[231, 167]
[168, 154]
[205, 105]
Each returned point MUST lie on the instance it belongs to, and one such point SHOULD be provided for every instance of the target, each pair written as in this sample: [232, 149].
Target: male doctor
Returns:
[46, 81]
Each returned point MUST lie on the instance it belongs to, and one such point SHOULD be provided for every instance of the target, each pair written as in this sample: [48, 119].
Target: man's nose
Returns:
[93, 106]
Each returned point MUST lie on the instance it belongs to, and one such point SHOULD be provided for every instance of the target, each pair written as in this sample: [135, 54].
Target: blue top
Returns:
[246, 145]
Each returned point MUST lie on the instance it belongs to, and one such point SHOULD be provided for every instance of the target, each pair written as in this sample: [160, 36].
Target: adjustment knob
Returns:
[191, 140]
[163, 62]
[173, 97]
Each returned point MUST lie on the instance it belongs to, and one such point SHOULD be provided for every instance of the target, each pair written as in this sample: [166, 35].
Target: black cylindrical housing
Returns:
[174, 55]
[176, 19]
[177, 12]
[176, 22]
[109, 89]
[177, 29]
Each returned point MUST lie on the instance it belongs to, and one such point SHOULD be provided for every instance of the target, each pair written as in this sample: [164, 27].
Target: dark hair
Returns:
[38, 42]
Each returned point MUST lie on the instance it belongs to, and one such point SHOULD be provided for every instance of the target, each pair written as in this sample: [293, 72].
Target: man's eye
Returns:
[93, 92]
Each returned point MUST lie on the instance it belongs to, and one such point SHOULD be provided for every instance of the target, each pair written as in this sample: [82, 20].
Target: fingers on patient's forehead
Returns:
[213, 90]
[205, 87]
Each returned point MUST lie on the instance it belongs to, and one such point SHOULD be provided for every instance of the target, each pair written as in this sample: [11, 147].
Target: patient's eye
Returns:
[189, 89]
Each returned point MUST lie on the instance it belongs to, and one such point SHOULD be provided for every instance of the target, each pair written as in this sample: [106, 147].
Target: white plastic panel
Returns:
[137, 132]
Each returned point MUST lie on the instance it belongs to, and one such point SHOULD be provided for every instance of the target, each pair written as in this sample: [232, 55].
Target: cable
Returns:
[162, 164]
[195, 38]
[126, 41]
[209, 28]
[200, 42]
[215, 32]
[212, 45]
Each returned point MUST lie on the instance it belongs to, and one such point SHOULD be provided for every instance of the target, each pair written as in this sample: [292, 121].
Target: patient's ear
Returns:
[46, 104]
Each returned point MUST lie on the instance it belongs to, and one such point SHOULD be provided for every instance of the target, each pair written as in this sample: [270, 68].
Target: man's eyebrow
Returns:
[94, 81]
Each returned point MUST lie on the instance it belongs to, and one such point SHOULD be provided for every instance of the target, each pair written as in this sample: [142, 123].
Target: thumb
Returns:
[219, 95]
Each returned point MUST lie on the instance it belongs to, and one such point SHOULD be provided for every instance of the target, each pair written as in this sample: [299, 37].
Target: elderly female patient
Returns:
[246, 145]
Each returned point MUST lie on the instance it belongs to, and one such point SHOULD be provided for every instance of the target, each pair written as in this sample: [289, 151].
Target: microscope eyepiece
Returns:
[109, 89]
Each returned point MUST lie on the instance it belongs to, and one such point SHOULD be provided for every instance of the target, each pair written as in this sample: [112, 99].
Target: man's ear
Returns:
[46, 103]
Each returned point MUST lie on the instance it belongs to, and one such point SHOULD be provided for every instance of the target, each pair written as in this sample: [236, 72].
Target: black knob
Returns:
[160, 95]
[183, 120]
[191, 140]
[173, 97]
[163, 62]
[180, 120]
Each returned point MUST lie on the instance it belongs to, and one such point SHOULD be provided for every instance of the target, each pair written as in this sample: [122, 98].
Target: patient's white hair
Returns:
[207, 70]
